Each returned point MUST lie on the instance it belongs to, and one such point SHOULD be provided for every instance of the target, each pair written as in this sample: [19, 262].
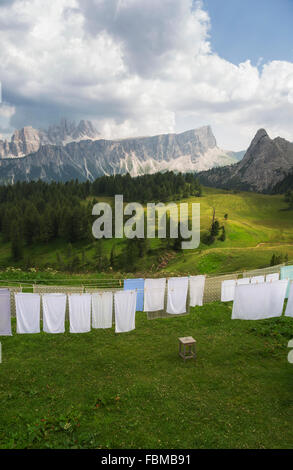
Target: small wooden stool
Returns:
[189, 350]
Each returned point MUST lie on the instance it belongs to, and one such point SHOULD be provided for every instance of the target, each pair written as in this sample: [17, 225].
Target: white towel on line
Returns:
[154, 294]
[259, 301]
[272, 277]
[80, 313]
[257, 280]
[5, 313]
[196, 289]
[177, 295]
[125, 308]
[228, 290]
[102, 309]
[27, 313]
[54, 307]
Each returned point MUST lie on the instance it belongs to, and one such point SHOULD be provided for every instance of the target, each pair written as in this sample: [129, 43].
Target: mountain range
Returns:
[68, 151]
[266, 164]
[76, 151]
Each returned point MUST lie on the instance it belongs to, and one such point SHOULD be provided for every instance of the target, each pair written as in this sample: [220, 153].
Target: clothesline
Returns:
[86, 311]
[86, 306]
[254, 297]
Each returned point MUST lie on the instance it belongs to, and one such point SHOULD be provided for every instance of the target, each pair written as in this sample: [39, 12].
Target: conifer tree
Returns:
[16, 243]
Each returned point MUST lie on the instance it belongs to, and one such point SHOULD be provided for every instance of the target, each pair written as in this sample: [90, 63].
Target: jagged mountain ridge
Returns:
[266, 163]
[28, 140]
[194, 150]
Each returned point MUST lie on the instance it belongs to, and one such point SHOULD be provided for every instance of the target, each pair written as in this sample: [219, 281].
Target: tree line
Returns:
[40, 212]
[161, 187]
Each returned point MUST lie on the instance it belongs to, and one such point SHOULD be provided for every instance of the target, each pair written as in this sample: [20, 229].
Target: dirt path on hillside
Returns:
[275, 244]
[238, 248]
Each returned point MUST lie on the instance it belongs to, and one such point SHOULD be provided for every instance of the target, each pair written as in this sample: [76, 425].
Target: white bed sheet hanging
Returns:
[259, 301]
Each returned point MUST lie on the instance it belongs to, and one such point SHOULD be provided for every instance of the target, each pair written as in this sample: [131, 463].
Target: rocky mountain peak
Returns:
[259, 147]
[67, 131]
[260, 137]
[85, 129]
[261, 133]
[28, 140]
[266, 163]
[202, 138]
[207, 136]
[24, 141]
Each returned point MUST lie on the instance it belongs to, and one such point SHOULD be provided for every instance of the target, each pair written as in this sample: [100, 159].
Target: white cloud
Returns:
[6, 112]
[135, 68]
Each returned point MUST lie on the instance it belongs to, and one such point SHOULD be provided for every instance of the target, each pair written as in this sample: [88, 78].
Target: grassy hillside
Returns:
[89, 391]
[257, 226]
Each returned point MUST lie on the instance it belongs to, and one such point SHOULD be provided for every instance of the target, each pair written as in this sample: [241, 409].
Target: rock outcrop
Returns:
[266, 163]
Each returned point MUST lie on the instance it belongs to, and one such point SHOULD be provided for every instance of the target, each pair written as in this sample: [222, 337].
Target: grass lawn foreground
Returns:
[103, 390]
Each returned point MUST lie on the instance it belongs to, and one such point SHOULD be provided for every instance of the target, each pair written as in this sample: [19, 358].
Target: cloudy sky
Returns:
[143, 67]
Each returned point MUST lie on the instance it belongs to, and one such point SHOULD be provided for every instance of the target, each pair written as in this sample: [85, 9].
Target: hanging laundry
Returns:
[196, 289]
[259, 301]
[243, 282]
[125, 308]
[54, 307]
[228, 290]
[28, 308]
[177, 295]
[287, 273]
[5, 313]
[138, 285]
[272, 277]
[257, 280]
[154, 295]
[102, 310]
[80, 313]
[289, 308]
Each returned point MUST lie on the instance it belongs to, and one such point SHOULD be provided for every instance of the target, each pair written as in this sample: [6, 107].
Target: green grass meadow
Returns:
[257, 226]
[107, 390]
